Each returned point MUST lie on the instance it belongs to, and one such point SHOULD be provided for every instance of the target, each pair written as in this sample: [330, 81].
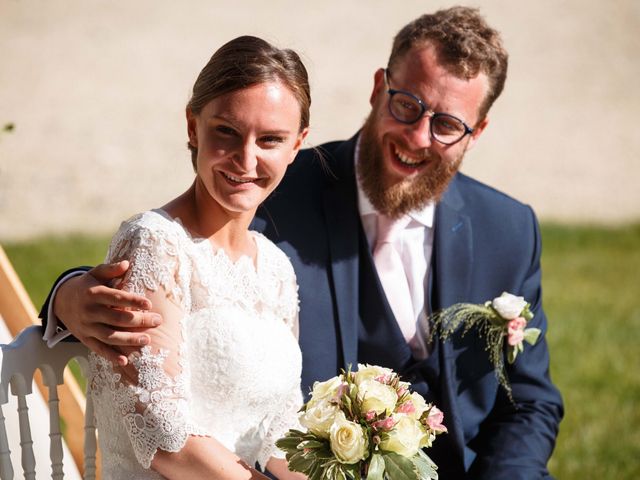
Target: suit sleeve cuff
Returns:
[54, 333]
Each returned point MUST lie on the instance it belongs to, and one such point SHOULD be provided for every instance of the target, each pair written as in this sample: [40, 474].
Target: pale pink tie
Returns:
[392, 275]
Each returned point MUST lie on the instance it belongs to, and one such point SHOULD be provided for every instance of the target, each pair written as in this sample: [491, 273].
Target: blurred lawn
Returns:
[591, 292]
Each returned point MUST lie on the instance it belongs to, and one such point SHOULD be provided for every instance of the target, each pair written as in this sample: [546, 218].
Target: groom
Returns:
[365, 293]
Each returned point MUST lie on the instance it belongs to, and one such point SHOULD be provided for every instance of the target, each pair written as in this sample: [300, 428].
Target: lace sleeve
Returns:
[150, 397]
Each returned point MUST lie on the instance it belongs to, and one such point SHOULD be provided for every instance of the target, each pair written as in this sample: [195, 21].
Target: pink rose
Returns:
[435, 419]
[516, 337]
[515, 331]
[407, 407]
[517, 324]
[370, 415]
[339, 392]
[386, 424]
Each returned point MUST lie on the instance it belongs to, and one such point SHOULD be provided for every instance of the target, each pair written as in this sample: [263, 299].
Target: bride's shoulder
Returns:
[151, 229]
[272, 253]
[153, 222]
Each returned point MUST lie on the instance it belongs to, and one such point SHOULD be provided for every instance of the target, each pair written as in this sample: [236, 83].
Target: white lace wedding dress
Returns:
[229, 368]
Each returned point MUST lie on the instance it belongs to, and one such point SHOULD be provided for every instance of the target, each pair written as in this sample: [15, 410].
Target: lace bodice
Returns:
[228, 367]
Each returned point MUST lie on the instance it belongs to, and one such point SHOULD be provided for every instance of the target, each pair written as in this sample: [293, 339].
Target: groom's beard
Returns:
[402, 197]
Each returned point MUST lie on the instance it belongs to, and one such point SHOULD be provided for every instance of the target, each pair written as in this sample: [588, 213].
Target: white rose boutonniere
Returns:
[502, 321]
[508, 306]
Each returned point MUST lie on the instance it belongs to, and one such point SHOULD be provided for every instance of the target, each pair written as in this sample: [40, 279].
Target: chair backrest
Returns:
[20, 359]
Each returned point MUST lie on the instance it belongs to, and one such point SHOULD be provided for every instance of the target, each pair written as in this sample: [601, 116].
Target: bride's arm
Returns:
[153, 391]
[278, 467]
[204, 457]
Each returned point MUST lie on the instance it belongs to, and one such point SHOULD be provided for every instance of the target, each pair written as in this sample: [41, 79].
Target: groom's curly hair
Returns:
[465, 45]
[246, 61]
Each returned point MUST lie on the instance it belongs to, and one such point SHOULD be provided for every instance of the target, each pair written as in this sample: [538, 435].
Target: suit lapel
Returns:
[343, 226]
[451, 281]
[453, 251]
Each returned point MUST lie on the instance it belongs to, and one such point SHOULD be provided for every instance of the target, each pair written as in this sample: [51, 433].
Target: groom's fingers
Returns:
[107, 352]
[106, 272]
[112, 297]
[112, 337]
[129, 318]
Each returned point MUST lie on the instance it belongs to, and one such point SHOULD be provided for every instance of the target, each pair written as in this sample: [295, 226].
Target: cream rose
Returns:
[509, 306]
[419, 404]
[376, 396]
[348, 440]
[318, 418]
[324, 390]
[406, 438]
[369, 372]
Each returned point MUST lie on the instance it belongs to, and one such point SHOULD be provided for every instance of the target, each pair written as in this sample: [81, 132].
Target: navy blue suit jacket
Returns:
[485, 243]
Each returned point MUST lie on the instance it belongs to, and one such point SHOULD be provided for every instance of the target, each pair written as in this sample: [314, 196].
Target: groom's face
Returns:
[401, 166]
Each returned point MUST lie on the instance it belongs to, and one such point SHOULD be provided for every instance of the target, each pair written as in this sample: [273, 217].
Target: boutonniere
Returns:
[502, 322]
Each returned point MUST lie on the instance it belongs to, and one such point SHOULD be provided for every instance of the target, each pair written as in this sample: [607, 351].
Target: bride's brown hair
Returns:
[247, 61]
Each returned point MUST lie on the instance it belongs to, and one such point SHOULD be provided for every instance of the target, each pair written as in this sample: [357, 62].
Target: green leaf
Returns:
[288, 443]
[427, 469]
[317, 473]
[376, 467]
[299, 462]
[531, 335]
[352, 471]
[311, 444]
[512, 354]
[398, 467]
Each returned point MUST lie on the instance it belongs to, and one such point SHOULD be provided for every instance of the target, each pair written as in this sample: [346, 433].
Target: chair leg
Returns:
[26, 441]
[55, 444]
[6, 468]
[89, 440]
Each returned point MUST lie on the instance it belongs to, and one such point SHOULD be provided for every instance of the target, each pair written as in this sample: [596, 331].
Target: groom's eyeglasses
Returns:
[407, 108]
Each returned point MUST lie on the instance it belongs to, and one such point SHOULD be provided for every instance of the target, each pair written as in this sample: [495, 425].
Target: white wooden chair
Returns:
[20, 359]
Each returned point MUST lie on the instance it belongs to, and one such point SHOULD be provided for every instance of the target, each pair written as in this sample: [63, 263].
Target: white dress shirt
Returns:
[415, 245]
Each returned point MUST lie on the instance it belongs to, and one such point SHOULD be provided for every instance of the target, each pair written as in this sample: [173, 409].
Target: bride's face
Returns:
[245, 141]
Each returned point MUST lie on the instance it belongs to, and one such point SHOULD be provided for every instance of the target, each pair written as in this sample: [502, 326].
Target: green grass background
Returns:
[591, 280]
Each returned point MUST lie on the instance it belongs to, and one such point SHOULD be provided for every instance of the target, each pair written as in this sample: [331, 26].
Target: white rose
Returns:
[377, 396]
[325, 390]
[406, 438]
[348, 440]
[318, 418]
[509, 306]
[369, 372]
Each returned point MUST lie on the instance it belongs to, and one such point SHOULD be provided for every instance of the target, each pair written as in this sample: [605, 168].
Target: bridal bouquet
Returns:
[501, 321]
[364, 425]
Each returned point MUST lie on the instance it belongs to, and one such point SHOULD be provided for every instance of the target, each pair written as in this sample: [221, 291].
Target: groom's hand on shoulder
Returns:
[102, 317]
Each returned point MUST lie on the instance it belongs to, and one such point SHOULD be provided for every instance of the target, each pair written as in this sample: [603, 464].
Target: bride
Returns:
[219, 380]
